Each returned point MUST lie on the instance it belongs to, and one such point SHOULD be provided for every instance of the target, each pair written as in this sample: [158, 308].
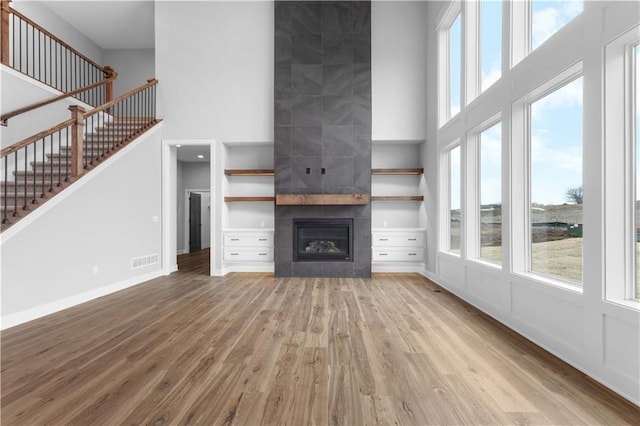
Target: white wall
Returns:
[398, 69]
[214, 61]
[190, 176]
[134, 67]
[599, 337]
[39, 13]
[19, 91]
[82, 247]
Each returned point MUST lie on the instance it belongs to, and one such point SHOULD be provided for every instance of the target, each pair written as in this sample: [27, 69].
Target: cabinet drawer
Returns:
[248, 254]
[248, 240]
[400, 239]
[398, 255]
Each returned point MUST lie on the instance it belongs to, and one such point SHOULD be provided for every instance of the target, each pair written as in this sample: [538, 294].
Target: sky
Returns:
[556, 121]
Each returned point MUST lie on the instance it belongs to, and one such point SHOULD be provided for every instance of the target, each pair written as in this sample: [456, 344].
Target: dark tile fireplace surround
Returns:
[322, 129]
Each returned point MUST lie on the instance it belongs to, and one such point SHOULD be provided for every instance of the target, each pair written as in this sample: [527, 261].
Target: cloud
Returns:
[567, 158]
[491, 77]
[568, 96]
[549, 16]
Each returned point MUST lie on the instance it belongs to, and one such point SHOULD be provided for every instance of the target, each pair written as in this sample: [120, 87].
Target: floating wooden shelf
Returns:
[322, 199]
[249, 172]
[247, 199]
[406, 172]
[397, 198]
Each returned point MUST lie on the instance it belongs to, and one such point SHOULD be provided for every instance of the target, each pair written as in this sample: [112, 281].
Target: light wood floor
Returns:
[252, 349]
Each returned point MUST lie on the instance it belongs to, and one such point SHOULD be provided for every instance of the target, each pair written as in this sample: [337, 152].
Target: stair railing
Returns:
[32, 50]
[37, 167]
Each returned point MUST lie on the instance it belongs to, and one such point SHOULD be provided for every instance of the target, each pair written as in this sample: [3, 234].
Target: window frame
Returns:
[444, 60]
[474, 169]
[445, 199]
[521, 182]
[620, 281]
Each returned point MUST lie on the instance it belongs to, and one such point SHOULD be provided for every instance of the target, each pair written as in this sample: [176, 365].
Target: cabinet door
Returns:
[247, 255]
[248, 240]
[398, 239]
[398, 255]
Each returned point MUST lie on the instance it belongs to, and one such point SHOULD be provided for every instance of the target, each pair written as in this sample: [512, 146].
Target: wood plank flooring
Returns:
[251, 349]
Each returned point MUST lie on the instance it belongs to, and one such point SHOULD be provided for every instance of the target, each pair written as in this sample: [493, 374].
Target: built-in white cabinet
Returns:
[398, 212]
[246, 199]
[398, 245]
[248, 245]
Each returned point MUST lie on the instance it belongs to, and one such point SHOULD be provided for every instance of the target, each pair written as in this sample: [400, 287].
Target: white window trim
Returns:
[620, 170]
[445, 199]
[446, 21]
[473, 168]
[521, 182]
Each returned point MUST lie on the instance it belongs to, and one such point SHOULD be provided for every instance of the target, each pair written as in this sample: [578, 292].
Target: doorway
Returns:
[175, 240]
[198, 220]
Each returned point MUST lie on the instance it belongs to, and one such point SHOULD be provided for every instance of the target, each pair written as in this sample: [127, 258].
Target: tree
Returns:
[574, 195]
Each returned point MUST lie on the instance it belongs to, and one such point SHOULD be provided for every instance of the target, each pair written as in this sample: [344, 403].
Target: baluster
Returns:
[15, 184]
[67, 159]
[5, 191]
[50, 164]
[26, 160]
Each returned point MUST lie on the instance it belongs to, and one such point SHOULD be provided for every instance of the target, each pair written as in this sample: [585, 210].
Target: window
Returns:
[454, 199]
[547, 17]
[556, 183]
[491, 194]
[622, 169]
[636, 132]
[490, 42]
[454, 66]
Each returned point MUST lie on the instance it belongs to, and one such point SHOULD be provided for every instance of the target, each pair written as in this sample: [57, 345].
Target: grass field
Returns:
[554, 253]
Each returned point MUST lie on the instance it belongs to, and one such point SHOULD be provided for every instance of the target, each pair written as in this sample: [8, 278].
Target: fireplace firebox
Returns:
[323, 240]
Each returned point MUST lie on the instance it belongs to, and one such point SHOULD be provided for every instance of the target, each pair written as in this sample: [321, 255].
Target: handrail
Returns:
[21, 144]
[41, 165]
[31, 139]
[5, 117]
[32, 50]
[48, 33]
[151, 82]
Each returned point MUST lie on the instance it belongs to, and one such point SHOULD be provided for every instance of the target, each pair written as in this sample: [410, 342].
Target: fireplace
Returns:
[323, 240]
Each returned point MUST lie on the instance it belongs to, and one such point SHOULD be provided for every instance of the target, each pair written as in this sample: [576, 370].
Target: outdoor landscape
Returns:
[556, 238]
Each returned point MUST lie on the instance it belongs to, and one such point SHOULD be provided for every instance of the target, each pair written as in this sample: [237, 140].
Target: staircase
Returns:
[22, 191]
[35, 169]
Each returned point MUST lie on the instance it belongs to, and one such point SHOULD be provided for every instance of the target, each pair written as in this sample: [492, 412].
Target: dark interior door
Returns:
[195, 222]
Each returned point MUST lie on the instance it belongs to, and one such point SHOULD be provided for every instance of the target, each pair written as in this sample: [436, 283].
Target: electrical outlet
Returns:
[95, 269]
[262, 224]
[385, 223]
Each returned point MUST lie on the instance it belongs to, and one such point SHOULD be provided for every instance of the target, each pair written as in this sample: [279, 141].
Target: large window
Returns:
[490, 42]
[556, 224]
[547, 17]
[455, 70]
[490, 142]
[454, 199]
[636, 132]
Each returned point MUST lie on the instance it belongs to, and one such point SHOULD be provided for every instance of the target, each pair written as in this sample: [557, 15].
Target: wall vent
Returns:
[142, 261]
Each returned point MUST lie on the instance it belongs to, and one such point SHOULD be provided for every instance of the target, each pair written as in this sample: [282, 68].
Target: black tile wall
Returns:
[323, 121]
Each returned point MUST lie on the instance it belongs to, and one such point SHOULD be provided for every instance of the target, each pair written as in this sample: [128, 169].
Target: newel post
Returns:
[108, 87]
[4, 31]
[77, 166]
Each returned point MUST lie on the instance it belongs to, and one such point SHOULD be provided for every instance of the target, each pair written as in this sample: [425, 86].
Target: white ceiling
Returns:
[115, 24]
[189, 154]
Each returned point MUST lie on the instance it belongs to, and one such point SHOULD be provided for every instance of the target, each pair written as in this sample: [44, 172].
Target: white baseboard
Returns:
[30, 314]
[397, 267]
[248, 267]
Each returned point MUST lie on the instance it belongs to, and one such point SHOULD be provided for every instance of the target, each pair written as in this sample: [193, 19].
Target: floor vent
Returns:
[142, 261]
